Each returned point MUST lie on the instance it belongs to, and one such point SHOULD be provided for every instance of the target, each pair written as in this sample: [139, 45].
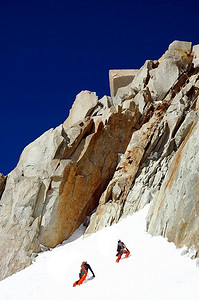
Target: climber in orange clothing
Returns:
[121, 249]
[83, 273]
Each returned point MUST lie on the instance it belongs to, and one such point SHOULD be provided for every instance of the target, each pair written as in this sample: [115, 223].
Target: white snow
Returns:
[156, 270]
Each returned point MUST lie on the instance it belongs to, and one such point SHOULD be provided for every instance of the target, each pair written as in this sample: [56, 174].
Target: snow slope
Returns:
[155, 270]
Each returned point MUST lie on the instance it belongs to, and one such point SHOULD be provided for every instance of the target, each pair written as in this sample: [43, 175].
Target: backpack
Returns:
[83, 268]
[120, 246]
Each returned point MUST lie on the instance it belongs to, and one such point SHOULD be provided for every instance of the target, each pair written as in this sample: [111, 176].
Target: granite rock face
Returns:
[84, 103]
[113, 200]
[175, 210]
[112, 156]
[160, 163]
[60, 178]
[120, 78]
[2, 184]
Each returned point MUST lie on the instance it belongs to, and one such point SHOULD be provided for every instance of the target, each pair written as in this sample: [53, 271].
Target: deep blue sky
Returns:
[50, 50]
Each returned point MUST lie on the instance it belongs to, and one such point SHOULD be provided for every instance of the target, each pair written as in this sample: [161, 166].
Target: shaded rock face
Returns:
[112, 155]
[175, 210]
[2, 184]
[112, 202]
[120, 78]
[87, 174]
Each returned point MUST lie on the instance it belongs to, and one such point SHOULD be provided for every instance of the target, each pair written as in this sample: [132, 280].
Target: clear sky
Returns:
[50, 50]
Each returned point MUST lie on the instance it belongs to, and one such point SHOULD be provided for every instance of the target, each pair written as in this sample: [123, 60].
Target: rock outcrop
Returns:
[164, 105]
[2, 184]
[111, 156]
[175, 210]
[145, 170]
[60, 178]
[120, 78]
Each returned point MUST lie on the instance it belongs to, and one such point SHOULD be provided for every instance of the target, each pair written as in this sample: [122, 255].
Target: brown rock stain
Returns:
[175, 163]
[174, 167]
[84, 181]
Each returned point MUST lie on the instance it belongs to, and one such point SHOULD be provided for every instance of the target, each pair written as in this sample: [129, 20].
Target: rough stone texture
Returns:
[58, 182]
[169, 135]
[143, 172]
[112, 201]
[25, 201]
[196, 56]
[175, 210]
[2, 184]
[179, 45]
[103, 104]
[120, 78]
[139, 82]
[114, 155]
[106, 102]
[18, 226]
[73, 137]
[86, 177]
[163, 78]
[83, 105]
[36, 158]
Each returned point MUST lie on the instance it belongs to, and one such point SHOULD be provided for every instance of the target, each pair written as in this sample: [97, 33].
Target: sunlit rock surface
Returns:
[109, 159]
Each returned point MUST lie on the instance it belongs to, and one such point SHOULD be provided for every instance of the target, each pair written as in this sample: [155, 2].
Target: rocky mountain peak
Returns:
[112, 156]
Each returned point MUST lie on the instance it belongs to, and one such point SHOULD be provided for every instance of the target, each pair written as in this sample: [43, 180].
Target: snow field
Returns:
[155, 270]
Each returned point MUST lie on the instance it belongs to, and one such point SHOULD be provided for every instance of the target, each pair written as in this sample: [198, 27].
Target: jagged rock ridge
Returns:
[114, 155]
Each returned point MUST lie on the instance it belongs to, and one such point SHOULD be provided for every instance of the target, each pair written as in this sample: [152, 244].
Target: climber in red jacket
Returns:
[121, 249]
[83, 273]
